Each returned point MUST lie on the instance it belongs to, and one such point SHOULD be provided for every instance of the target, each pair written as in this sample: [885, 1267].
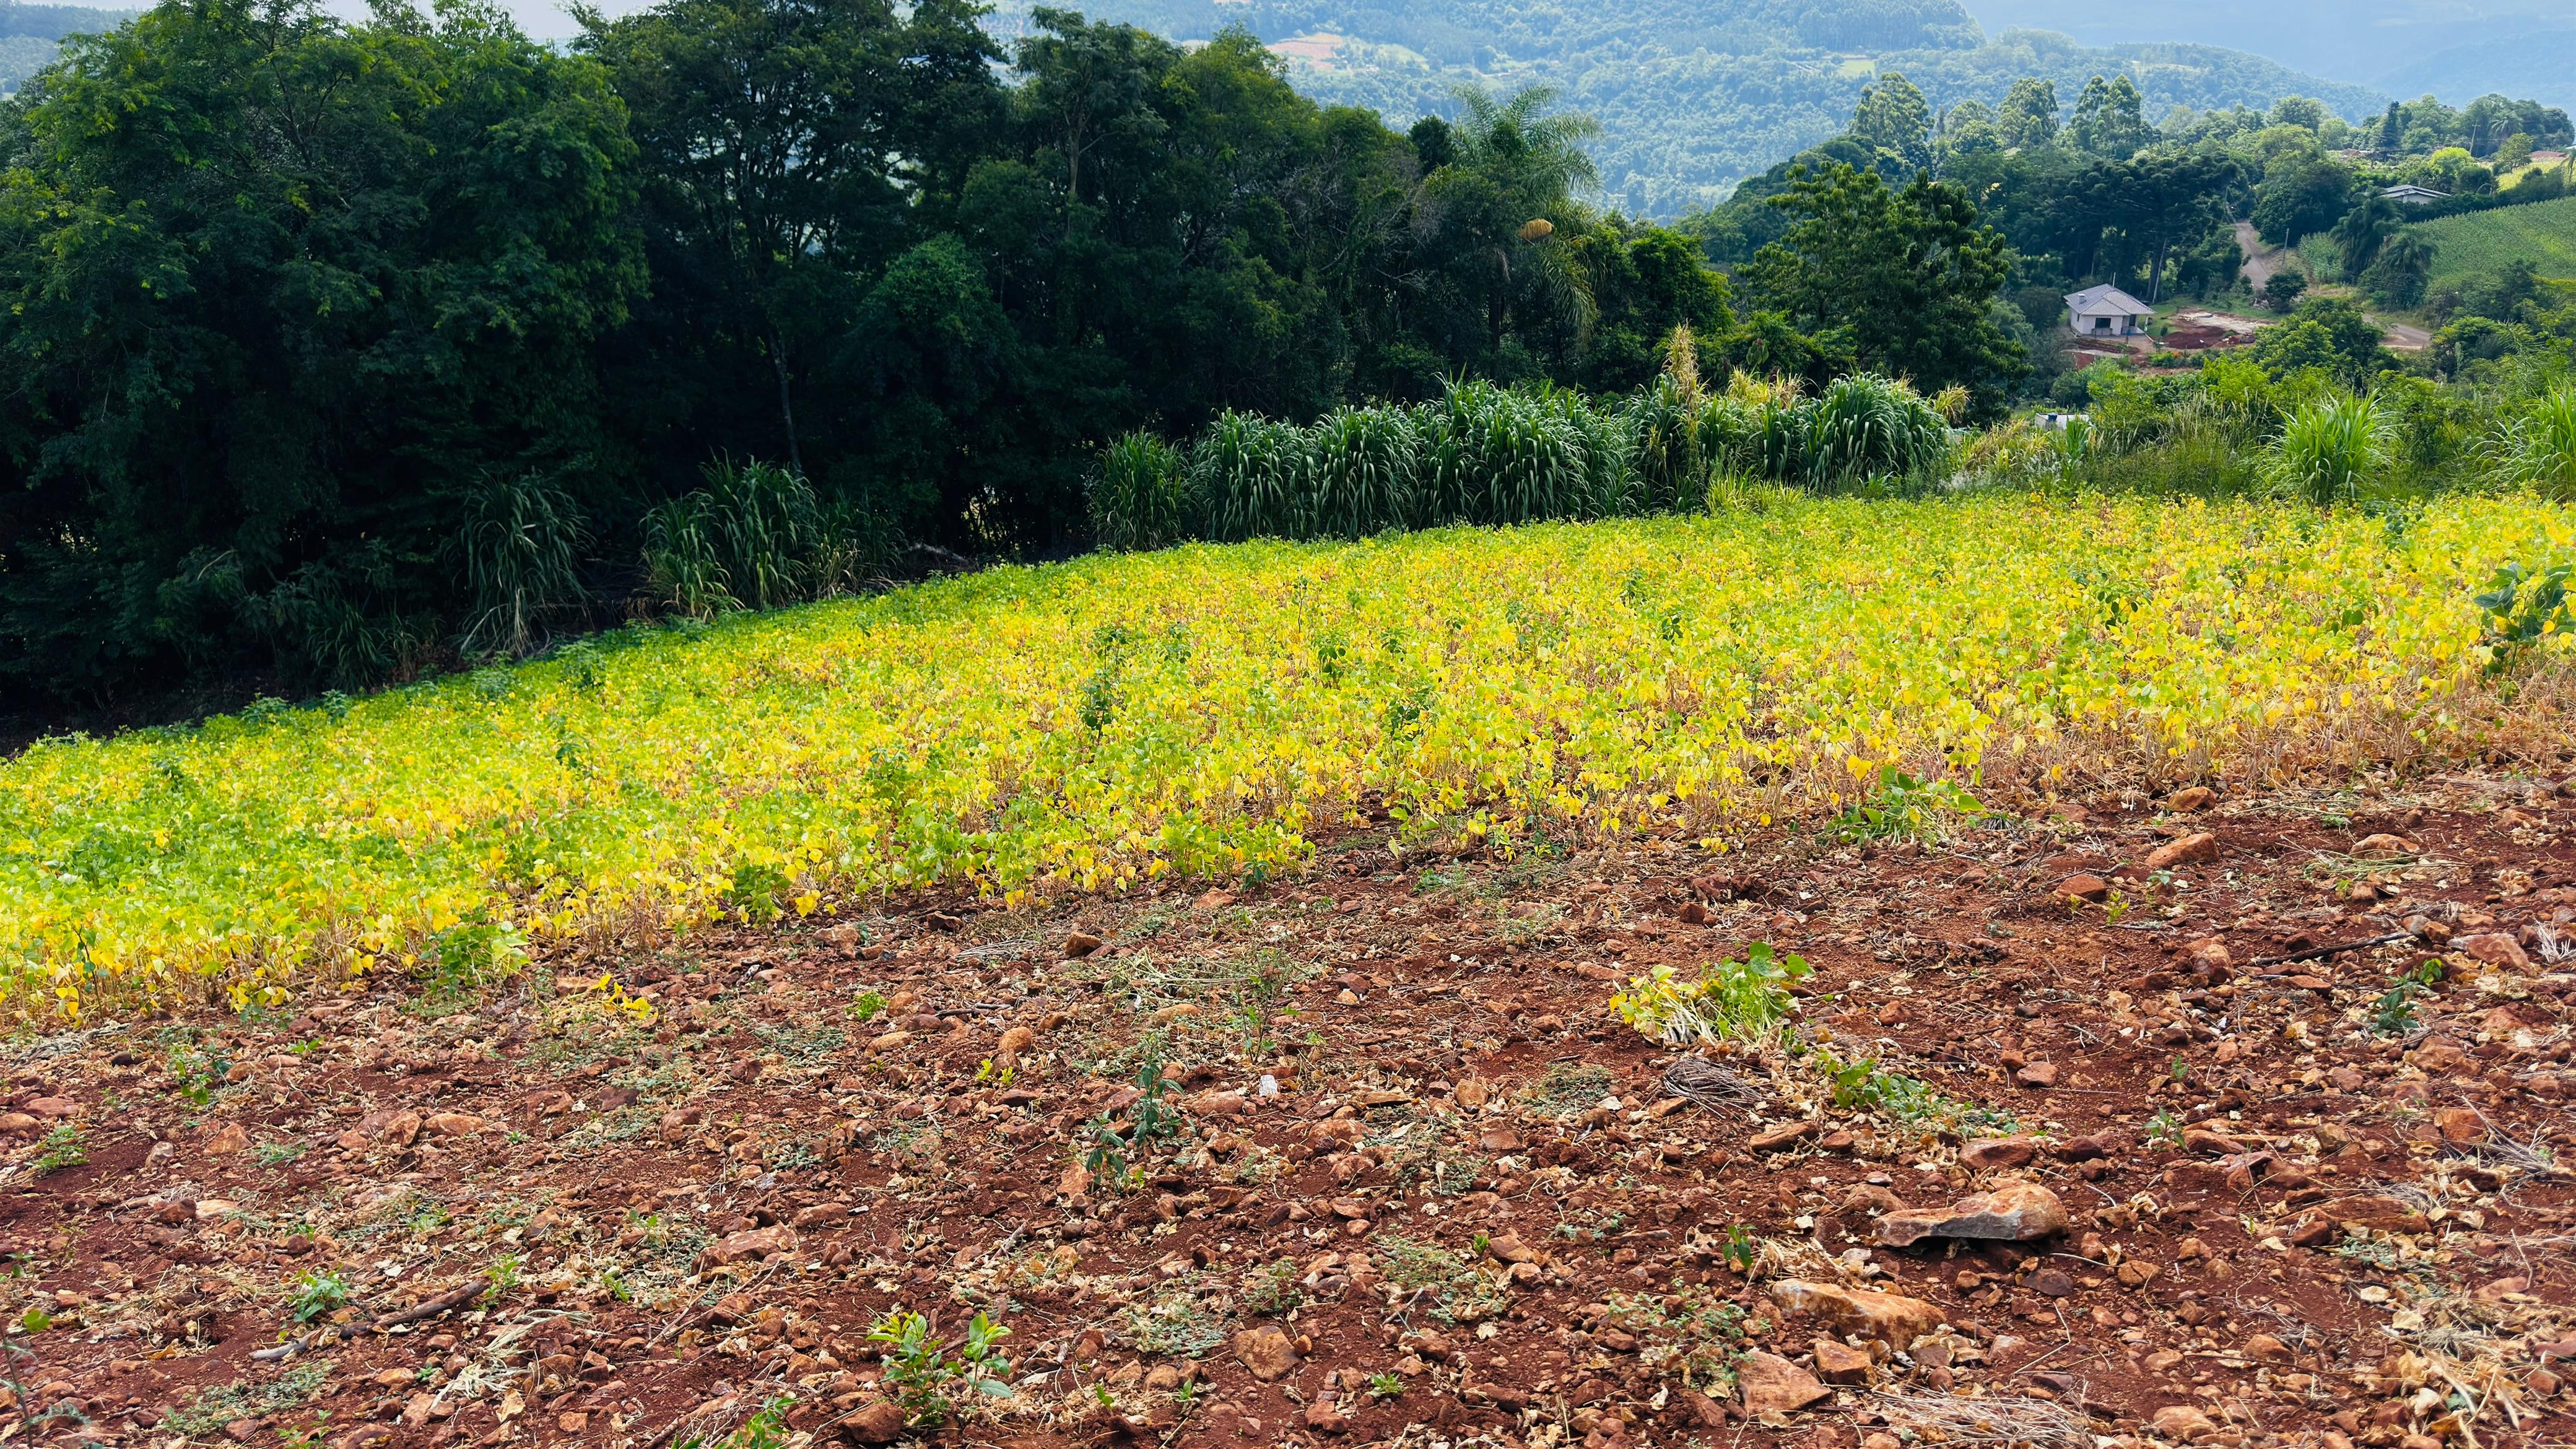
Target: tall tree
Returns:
[777, 145]
[1891, 116]
[2107, 120]
[2028, 116]
[1910, 276]
[281, 299]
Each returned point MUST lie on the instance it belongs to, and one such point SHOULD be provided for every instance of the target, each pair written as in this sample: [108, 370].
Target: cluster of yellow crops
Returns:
[1084, 726]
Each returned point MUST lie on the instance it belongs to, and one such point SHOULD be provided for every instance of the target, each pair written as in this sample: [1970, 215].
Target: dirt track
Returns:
[1474, 1212]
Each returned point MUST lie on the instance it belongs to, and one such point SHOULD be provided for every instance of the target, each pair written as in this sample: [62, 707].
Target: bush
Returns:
[1494, 456]
[1865, 426]
[2329, 448]
[519, 538]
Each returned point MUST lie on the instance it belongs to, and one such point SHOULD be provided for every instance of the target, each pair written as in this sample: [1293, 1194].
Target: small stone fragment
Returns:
[1985, 1154]
[1781, 1136]
[1773, 1385]
[2182, 1421]
[1080, 944]
[877, 1423]
[2196, 797]
[2085, 887]
[1840, 1363]
[1890, 1318]
[2198, 848]
[2037, 1074]
[2015, 1212]
[1266, 1353]
[2495, 948]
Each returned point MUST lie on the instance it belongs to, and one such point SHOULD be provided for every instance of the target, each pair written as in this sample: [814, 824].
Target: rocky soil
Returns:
[2079, 1134]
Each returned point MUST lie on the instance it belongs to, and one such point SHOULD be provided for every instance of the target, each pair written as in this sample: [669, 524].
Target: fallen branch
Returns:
[427, 1308]
[2315, 952]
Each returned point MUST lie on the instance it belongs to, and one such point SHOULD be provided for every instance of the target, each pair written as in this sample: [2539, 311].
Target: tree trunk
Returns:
[786, 409]
[2156, 275]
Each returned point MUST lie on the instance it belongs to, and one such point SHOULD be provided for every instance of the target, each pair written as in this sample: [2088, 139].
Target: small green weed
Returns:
[928, 1377]
[2395, 1015]
[1386, 1385]
[2164, 1129]
[867, 1006]
[1908, 1101]
[1902, 806]
[63, 1147]
[276, 1154]
[1271, 1289]
[1745, 1000]
[316, 1294]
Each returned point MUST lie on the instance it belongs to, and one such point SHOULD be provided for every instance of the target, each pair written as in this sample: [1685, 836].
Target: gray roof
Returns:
[2095, 301]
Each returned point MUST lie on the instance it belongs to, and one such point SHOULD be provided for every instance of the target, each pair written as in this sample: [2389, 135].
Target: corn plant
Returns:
[766, 530]
[1865, 426]
[682, 574]
[2328, 449]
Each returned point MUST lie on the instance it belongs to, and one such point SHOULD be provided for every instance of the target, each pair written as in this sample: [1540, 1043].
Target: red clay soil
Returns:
[1480, 1209]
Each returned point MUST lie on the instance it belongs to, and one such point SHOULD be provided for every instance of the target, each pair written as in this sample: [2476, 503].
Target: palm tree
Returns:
[1516, 178]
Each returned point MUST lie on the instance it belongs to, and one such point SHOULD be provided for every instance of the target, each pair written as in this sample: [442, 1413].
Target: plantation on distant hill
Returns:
[1692, 98]
[2481, 242]
[28, 34]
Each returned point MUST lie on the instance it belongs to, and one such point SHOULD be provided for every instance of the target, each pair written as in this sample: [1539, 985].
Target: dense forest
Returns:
[352, 350]
[1692, 97]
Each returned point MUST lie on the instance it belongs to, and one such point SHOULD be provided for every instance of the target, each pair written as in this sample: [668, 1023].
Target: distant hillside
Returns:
[2540, 64]
[2456, 49]
[28, 34]
[1693, 96]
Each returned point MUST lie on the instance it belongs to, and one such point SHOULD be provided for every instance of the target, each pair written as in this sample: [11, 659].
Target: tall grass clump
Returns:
[1363, 465]
[754, 537]
[1868, 427]
[1140, 498]
[1251, 479]
[520, 539]
[2328, 449]
[1494, 456]
[2538, 449]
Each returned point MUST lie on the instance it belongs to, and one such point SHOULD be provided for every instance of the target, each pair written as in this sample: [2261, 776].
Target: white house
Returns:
[2106, 311]
[2412, 195]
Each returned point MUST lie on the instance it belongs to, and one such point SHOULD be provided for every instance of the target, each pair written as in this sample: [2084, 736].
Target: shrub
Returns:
[518, 540]
[2328, 449]
[1140, 496]
[1494, 456]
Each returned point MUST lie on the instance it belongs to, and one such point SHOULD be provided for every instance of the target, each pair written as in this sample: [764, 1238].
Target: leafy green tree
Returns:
[1891, 116]
[2302, 193]
[1907, 275]
[2028, 116]
[2299, 111]
[283, 296]
[2107, 120]
[2327, 334]
[2364, 229]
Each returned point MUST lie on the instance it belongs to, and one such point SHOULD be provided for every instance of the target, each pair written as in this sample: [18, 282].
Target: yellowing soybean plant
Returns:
[1209, 711]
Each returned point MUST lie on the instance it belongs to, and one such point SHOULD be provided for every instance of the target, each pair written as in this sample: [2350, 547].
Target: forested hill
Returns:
[28, 34]
[1693, 96]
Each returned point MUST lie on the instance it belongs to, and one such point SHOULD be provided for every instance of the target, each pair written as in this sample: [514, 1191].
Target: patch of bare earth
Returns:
[2231, 1198]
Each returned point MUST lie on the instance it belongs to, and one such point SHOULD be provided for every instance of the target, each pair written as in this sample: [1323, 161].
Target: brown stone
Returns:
[1890, 1318]
[1017, 1040]
[822, 1214]
[1840, 1363]
[228, 1138]
[1325, 1417]
[454, 1124]
[2264, 1348]
[752, 1244]
[2015, 1212]
[1080, 944]
[2495, 948]
[1985, 1154]
[2460, 1126]
[2383, 844]
[1473, 1094]
[1508, 1248]
[2198, 848]
[2191, 798]
[1266, 1353]
[2085, 887]
[53, 1107]
[1773, 1385]
[2182, 1421]
[877, 1423]
[2037, 1074]
[1781, 1136]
